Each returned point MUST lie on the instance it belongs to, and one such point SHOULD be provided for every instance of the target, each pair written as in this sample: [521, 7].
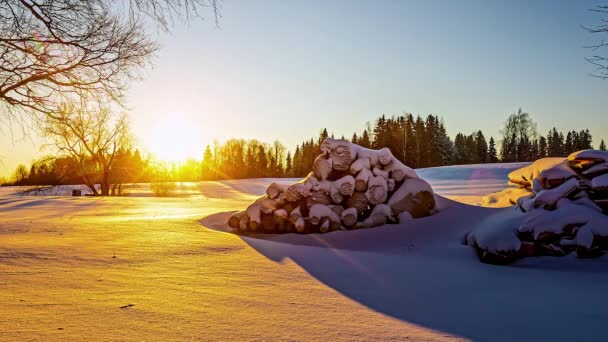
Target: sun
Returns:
[175, 139]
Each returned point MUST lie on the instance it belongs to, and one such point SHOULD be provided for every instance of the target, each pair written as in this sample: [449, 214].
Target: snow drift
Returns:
[349, 187]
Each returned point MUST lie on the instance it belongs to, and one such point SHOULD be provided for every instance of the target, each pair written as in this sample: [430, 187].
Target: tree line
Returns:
[414, 140]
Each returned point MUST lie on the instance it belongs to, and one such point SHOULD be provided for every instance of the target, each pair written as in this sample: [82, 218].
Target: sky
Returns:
[285, 69]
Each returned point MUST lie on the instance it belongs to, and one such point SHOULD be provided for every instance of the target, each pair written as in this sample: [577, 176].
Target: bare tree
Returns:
[599, 61]
[60, 51]
[518, 131]
[92, 138]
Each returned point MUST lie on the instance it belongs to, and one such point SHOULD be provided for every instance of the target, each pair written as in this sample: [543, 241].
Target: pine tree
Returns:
[365, 141]
[481, 148]
[288, 165]
[570, 144]
[542, 147]
[354, 139]
[492, 154]
[206, 167]
[602, 145]
[323, 135]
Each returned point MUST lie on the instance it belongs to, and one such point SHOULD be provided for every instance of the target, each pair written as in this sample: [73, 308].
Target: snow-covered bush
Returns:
[564, 203]
[349, 187]
[162, 189]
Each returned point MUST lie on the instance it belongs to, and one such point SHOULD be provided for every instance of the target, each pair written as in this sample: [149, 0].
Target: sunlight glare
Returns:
[175, 139]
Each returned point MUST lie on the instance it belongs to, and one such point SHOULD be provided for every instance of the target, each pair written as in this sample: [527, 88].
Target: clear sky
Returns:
[284, 69]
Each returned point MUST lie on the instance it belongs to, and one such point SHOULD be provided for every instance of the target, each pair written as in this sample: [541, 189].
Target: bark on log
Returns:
[244, 223]
[235, 219]
[275, 189]
[320, 211]
[268, 206]
[359, 201]
[318, 197]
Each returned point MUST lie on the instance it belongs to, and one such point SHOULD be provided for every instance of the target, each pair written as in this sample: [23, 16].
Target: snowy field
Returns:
[146, 268]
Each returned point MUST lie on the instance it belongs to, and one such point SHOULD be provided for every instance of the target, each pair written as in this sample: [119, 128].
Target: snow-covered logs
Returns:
[564, 209]
[350, 187]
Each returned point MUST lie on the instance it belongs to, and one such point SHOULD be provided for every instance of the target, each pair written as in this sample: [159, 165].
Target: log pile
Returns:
[350, 187]
[564, 212]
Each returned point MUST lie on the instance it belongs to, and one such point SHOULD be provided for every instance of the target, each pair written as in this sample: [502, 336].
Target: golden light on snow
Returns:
[174, 138]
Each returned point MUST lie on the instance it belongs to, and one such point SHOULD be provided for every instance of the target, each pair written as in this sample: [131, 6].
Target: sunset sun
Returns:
[175, 139]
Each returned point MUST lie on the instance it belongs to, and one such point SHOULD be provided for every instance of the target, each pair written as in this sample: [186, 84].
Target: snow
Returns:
[73, 262]
[600, 182]
[545, 169]
[589, 155]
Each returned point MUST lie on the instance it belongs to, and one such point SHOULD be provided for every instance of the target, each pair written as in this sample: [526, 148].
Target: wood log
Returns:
[377, 158]
[346, 185]
[268, 206]
[414, 196]
[235, 219]
[359, 201]
[275, 189]
[281, 218]
[390, 183]
[299, 190]
[381, 173]
[281, 215]
[338, 209]
[341, 152]
[399, 171]
[379, 215]
[334, 226]
[254, 212]
[349, 217]
[244, 223]
[320, 211]
[324, 225]
[321, 167]
[360, 164]
[318, 197]
[377, 190]
[300, 225]
[362, 179]
[295, 215]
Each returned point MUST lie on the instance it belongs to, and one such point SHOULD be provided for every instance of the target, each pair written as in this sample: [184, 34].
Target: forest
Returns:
[416, 141]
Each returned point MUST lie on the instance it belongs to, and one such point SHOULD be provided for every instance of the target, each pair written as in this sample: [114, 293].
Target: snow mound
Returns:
[349, 187]
[564, 203]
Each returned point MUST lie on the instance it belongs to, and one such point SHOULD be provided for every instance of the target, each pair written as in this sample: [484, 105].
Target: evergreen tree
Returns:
[481, 147]
[206, 167]
[602, 145]
[355, 139]
[570, 144]
[365, 140]
[323, 135]
[288, 165]
[492, 153]
[542, 147]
